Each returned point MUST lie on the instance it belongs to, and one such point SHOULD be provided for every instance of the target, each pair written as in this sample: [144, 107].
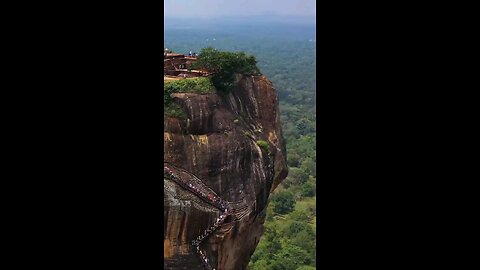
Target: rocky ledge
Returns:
[233, 144]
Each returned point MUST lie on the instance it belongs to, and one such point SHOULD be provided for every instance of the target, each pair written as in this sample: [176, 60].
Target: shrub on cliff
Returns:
[199, 85]
[263, 145]
[224, 66]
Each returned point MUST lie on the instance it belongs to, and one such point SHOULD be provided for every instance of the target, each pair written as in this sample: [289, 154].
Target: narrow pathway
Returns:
[193, 184]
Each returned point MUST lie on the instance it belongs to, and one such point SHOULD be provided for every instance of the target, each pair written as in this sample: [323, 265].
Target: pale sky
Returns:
[217, 8]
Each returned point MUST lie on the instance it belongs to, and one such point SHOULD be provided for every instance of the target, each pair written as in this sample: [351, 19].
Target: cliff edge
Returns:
[229, 148]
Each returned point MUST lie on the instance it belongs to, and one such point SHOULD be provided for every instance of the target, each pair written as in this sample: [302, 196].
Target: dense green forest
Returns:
[286, 54]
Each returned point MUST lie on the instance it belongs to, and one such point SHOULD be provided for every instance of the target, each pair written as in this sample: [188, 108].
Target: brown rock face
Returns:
[219, 144]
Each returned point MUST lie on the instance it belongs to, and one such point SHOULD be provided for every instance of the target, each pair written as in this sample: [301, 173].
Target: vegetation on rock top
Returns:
[200, 85]
[287, 57]
[225, 65]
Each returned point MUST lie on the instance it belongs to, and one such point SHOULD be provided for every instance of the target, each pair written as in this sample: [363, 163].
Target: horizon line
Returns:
[270, 16]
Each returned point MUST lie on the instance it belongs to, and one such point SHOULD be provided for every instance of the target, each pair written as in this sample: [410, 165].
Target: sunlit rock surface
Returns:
[218, 144]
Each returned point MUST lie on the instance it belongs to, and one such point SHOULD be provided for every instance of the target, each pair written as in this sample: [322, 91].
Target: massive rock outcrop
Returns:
[234, 144]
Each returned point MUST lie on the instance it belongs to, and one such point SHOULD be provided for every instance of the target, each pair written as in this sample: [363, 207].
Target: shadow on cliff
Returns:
[234, 143]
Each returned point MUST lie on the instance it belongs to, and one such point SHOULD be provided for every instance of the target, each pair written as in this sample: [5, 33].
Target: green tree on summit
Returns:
[224, 66]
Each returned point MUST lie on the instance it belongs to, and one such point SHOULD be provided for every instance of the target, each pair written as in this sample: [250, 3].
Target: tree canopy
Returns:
[225, 65]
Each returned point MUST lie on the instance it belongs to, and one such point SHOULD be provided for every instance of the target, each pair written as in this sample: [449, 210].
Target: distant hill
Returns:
[217, 22]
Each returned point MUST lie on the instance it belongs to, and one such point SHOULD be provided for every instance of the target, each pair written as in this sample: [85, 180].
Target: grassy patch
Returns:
[199, 85]
[175, 111]
[263, 145]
